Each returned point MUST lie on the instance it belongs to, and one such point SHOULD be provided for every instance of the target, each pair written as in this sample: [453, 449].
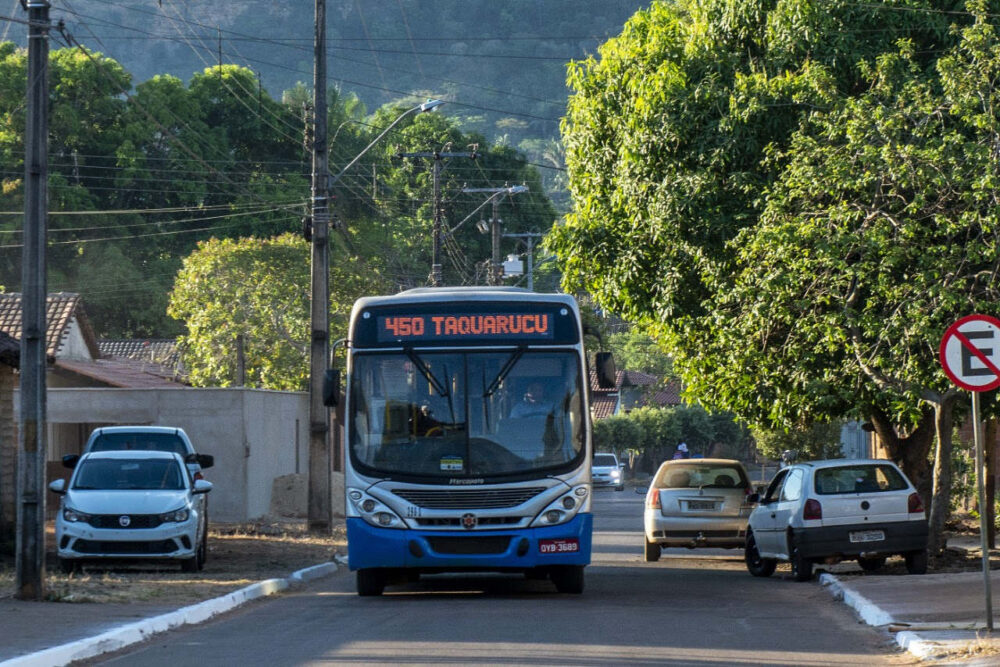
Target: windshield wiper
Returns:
[507, 368]
[426, 372]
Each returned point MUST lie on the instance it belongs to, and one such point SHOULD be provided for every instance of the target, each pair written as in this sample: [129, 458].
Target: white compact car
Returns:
[606, 471]
[131, 505]
[828, 511]
[696, 503]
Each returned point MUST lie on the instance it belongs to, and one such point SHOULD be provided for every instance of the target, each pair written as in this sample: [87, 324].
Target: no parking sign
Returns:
[970, 352]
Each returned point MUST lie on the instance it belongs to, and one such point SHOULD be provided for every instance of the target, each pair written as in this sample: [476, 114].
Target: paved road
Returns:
[690, 608]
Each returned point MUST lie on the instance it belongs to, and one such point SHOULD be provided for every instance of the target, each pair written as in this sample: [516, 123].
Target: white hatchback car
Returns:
[131, 505]
[696, 503]
[828, 511]
[606, 471]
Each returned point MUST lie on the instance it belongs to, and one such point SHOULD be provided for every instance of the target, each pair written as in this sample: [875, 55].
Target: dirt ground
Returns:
[237, 556]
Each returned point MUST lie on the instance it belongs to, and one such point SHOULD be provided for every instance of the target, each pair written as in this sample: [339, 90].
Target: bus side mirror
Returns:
[331, 387]
[604, 364]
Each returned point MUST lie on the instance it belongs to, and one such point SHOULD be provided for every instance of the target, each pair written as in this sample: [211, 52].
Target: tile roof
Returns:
[127, 373]
[602, 405]
[162, 351]
[61, 309]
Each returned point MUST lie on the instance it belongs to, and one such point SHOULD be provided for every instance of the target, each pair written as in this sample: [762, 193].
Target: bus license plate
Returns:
[867, 536]
[567, 546]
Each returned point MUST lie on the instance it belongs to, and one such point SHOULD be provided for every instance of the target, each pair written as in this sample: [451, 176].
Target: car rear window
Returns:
[700, 475]
[860, 478]
[605, 460]
[157, 442]
[129, 474]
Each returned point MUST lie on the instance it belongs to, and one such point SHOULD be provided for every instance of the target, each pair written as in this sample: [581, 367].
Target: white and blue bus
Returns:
[468, 436]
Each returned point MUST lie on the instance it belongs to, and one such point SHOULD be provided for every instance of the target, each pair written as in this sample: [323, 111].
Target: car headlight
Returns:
[616, 473]
[73, 516]
[374, 511]
[563, 508]
[177, 516]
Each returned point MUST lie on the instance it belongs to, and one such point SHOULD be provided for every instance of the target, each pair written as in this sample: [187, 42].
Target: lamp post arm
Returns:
[373, 142]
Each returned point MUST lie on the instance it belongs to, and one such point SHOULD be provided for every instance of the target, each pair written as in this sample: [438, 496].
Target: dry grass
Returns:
[237, 556]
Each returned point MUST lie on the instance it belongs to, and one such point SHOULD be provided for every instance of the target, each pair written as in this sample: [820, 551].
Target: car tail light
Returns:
[914, 504]
[813, 510]
[653, 499]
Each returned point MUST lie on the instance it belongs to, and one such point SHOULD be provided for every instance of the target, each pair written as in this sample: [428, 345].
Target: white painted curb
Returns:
[869, 612]
[133, 633]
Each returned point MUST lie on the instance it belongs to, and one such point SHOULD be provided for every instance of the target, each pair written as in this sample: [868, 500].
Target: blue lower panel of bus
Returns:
[369, 546]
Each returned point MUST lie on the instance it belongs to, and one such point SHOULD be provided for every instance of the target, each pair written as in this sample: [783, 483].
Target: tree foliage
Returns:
[257, 289]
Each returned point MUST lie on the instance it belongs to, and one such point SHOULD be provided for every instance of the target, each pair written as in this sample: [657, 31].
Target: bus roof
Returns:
[452, 294]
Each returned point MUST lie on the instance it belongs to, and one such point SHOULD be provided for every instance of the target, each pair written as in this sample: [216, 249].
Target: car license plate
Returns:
[566, 546]
[701, 505]
[867, 536]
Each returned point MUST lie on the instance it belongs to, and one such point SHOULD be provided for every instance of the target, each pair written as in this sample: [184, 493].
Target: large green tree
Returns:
[257, 289]
[779, 191]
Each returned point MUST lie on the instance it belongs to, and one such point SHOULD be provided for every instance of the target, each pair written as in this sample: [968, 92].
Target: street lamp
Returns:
[320, 509]
[425, 106]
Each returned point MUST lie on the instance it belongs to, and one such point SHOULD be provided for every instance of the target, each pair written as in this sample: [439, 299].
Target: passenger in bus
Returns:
[533, 403]
[425, 423]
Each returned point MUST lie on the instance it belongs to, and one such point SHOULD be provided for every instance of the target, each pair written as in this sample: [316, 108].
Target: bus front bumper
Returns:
[475, 550]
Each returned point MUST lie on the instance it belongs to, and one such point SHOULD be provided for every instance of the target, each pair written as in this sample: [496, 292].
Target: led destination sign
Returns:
[489, 326]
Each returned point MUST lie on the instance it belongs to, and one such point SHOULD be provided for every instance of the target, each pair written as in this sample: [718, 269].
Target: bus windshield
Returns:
[466, 414]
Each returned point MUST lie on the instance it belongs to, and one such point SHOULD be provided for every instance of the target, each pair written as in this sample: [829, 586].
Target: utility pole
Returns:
[495, 276]
[30, 558]
[530, 240]
[438, 156]
[320, 507]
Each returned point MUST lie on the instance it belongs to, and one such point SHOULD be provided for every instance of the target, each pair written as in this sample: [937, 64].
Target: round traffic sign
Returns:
[970, 352]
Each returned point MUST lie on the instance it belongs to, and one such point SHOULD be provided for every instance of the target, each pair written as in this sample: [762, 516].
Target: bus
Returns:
[467, 430]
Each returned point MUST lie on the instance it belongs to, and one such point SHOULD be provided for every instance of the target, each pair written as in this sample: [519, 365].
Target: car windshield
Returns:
[129, 474]
[605, 460]
[859, 478]
[466, 414]
[693, 475]
[157, 442]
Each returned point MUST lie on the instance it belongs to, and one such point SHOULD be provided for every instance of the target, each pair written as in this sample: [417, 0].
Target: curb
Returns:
[133, 633]
[916, 644]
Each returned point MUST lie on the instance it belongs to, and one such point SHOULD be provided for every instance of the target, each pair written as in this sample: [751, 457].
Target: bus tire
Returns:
[370, 581]
[568, 578]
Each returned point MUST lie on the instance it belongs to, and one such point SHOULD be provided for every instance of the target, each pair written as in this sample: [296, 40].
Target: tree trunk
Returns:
[912, 451]
[940, 502]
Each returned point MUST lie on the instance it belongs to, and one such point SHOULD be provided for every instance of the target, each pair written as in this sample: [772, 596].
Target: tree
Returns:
[257, 289]
[782, 301]
[819, 441]
[637, 351]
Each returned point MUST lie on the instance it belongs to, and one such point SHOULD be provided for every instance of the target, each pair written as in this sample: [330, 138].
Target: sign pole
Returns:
[977, 430]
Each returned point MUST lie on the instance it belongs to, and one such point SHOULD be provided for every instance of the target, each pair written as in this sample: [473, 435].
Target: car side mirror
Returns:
[70, 461]
[202, 486]
[58, 486]
[753, 498]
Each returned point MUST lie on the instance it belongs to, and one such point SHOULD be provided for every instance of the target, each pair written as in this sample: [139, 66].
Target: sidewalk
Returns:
[85, 630]
[932, 616]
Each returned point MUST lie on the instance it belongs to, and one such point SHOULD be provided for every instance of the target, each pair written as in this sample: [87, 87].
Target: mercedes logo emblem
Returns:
[469, 521]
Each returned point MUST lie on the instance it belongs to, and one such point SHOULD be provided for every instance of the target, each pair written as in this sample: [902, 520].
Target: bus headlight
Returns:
[373, 510]
[562, 509]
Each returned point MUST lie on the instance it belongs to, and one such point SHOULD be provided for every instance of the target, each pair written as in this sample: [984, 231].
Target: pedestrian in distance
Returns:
[682, 451]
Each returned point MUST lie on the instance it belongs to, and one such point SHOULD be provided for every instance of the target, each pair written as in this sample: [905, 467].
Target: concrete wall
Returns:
[255, 435]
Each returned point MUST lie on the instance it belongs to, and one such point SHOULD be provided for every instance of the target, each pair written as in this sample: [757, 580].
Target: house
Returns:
[255, 435]
[633, 389]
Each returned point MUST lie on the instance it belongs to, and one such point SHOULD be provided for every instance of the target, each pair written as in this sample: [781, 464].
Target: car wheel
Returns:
[370, 581]
[190, 564]
[568, 578]
[756, 565]
[802, 567]
[69, 565]
[871, 564]
[916, 562]
[619, 488]
[202, 555]
[652, 551]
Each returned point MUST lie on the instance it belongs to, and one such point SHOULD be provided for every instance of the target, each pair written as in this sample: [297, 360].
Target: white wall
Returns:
[252, 433]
